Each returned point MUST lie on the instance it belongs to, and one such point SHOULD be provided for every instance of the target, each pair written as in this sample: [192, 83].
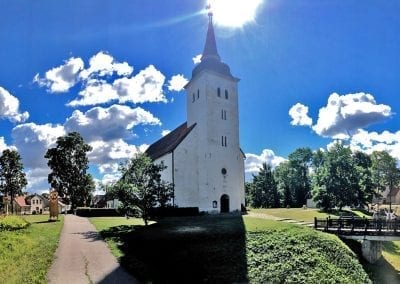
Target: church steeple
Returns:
[210, 59]
[210, 48]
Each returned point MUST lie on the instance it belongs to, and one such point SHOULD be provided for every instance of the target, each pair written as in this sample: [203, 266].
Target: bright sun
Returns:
[234, 13]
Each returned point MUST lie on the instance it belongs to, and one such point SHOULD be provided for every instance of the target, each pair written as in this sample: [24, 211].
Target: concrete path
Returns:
[83, 257]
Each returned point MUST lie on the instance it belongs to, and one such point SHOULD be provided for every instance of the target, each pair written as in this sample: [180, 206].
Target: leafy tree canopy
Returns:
[69, 164]
[140, 187]
[12, 177]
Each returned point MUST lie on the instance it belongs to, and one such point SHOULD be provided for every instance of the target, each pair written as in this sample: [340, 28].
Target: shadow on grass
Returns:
[186, 249]
[379, 272]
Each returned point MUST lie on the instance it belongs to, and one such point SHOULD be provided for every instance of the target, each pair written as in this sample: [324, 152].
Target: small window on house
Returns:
[219, 92]
[222, 140]
[222, 114]
[226, 94]
[225, 140]
[40, 201]
[198, 93]
[194, 98]
[223, 171]
[215, 204]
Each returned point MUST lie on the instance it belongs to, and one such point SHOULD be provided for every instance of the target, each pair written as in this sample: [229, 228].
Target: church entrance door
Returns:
[224, 203]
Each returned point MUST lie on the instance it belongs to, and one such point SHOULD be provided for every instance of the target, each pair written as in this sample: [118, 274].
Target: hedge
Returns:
[96, 212]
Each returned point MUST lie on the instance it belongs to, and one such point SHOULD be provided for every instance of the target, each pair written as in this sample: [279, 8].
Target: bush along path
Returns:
[83, 257]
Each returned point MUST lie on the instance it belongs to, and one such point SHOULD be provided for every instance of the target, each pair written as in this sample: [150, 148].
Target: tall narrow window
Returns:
[223, 114]
[226, 94]
[219, 92]
[198, 93]
[225, 140]
[222, 140]
[193, 98]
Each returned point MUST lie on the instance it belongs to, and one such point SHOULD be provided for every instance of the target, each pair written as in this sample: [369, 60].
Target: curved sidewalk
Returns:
[83, 257]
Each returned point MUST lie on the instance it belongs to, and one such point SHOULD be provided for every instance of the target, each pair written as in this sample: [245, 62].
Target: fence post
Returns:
[315, 223]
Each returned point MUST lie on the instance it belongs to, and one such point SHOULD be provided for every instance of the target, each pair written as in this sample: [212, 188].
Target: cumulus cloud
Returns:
[108, 155]
[348, 113]
[253, 162]
[110, 123]
[177, 83]
[3, 145]
[146, 86]
[368, 142]
[197, 59]
[103, 64]
[299, 115]
[165, 132]
[60, 79]
[9, 107]
[32, 142]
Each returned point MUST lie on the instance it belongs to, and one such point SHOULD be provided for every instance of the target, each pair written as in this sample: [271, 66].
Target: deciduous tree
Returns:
[12, 177]
[69, 164]
[140, 187]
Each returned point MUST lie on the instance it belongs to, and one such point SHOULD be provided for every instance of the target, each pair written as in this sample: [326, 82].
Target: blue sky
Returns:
[311, 72]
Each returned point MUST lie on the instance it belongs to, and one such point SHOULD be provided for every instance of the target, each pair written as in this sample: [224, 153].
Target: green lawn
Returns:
[229, 249]
[26, 254]
[299, 214]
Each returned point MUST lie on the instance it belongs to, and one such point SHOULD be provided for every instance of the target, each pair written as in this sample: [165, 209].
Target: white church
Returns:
[203, 156]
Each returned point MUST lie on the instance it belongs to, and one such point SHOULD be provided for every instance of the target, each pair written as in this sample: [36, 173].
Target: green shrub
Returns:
[12, 222]
[96, 212]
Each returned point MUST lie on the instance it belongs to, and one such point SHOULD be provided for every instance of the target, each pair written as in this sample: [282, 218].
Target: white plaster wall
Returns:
[211, 155]
[186, 172]
[166, 174]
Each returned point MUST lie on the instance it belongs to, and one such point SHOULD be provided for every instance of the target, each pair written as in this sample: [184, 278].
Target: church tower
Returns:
[212, 106]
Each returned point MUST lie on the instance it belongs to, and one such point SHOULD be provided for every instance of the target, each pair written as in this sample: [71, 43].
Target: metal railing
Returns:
[358, 226]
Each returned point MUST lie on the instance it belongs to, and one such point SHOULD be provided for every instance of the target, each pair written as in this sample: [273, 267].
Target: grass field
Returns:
[229, 249]
[299, 214]
[26, 254]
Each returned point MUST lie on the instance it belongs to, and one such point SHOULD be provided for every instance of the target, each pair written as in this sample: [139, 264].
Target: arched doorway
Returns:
[224, 203]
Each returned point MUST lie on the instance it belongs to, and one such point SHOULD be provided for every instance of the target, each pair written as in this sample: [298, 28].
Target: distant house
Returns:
[63, 208]
[21, 206]
[393, 197]
[39, 204]
[99, 201]
[113, 203]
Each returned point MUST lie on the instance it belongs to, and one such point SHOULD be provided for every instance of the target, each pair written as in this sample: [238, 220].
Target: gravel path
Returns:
[83, 257]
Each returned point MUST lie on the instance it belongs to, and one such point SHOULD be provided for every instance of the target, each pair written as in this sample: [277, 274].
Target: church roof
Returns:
[169, 142]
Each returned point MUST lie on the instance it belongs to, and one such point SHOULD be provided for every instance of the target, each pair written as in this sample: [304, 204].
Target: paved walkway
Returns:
[83, 257]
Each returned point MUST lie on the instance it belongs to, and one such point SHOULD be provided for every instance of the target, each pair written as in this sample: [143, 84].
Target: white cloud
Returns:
[103, 64]
[32, 142]
[177, 83]
[346, 114]
[37, 180]
[146, 86]
[165, 132]
[110, 123]
[9, 107]
[254, 162]
[299, 115]
[60, 79]
[197, 59]
[95, 92]
[4, 146]
[373, 141]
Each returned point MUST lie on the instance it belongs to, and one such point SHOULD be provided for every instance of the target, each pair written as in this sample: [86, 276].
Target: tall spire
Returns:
[210, 48]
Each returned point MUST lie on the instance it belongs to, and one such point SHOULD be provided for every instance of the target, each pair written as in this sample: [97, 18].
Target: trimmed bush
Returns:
[12, 223]
[96, 212]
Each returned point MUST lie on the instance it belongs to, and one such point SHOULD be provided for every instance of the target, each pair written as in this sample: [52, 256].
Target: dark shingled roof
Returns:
[169, 142]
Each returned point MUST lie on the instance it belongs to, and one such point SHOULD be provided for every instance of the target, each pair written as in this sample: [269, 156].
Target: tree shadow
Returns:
[379, 272]
[204, 249]
[91, 236]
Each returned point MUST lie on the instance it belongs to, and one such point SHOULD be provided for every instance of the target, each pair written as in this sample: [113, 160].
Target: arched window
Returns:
[219, 92]
[194, 98]
[226, 94]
